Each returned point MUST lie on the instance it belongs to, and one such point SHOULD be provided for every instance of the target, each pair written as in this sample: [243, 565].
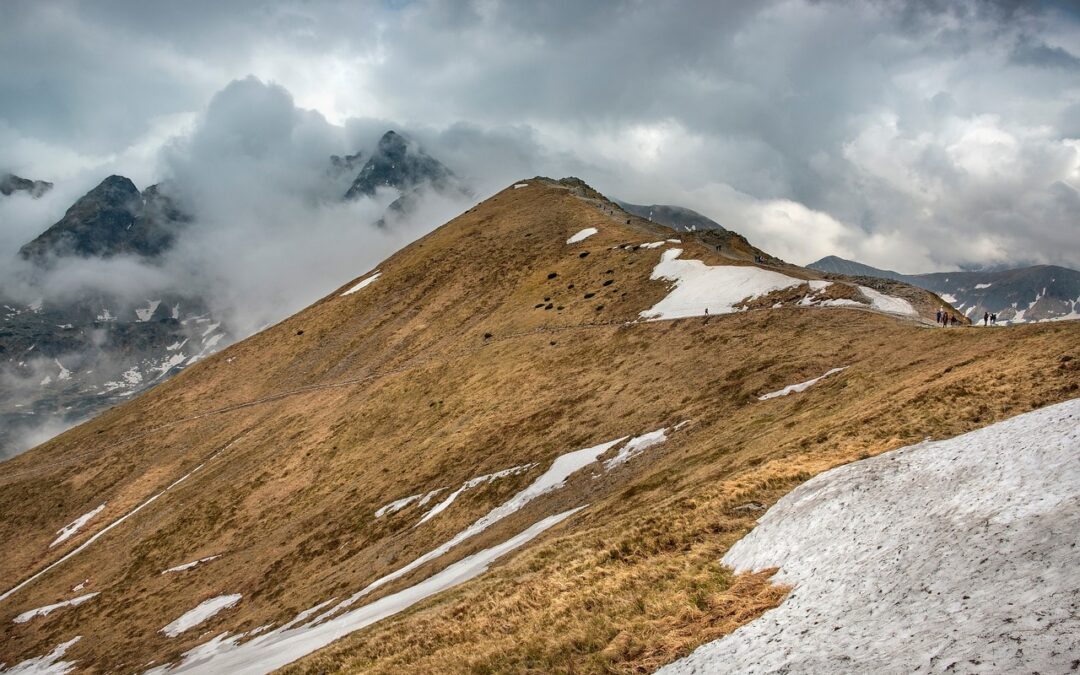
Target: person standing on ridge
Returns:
[938, 319]
[986, 318]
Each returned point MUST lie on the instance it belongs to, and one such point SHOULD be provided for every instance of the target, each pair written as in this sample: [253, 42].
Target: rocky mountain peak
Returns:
[399, 164]
[10, 184]
[113, 218]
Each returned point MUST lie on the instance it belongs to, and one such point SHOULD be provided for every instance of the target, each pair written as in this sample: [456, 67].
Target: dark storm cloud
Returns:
[918, 134]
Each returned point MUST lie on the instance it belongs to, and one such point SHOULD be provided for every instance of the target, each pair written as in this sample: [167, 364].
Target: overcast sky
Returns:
[911, 135]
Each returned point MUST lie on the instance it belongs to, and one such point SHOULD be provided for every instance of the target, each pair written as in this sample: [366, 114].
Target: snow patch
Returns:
[653, 244]
[64, 373]
[101, 533]
[203, 611]
[270, 651]
[554, 478]
[888, 303]
[979, 287]
[49, 609]
[50, 664]
[395, 506]
[802, 386]
[143, 314]
[363, 284]
[193, 563]
[582, 235]
[699, 287]
[470, 484]
[946, 555]
[636, 446]
[518, 186]
[69, 530]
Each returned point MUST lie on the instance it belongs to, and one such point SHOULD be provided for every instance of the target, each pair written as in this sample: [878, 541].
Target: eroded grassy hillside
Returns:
[489, 344]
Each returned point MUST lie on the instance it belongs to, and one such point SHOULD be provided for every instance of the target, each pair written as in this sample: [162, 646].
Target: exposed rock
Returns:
[10, 184]
[401, 164]
[112, 219]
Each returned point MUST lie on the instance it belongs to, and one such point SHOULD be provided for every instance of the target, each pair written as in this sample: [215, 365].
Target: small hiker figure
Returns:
[986, 318]
[938, 319]
[954, 320]
[993, 318]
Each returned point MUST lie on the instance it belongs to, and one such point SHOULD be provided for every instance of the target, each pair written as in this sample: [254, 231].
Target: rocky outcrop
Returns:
[10, 184]
[112, 219]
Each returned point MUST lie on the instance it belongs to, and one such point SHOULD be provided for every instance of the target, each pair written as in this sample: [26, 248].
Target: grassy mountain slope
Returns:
[476, 350]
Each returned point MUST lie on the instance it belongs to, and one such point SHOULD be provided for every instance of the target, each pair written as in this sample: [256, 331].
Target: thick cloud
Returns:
[917, 135]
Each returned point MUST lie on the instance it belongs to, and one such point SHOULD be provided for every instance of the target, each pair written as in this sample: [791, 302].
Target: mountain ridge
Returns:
[444, 367]
[1033, 293]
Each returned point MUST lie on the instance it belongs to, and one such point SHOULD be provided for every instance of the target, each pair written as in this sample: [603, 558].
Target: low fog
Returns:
[271, 232]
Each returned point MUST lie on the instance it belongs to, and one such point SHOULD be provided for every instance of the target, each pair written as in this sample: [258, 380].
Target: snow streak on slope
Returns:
[635, 446]
[700, 288]
[956, 555]
[583, 235]
[74, 526]
[203, 611]
[552, 479]
[50, 664]
[363, 283]
[193, 563]
[470, 484]
[49, 609]
[275, 649]
[6, 594]
[802, 386]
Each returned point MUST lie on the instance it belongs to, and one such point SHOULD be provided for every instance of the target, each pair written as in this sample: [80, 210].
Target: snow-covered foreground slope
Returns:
[956, 555]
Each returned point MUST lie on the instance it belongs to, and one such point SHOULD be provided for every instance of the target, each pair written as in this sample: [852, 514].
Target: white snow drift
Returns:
[582, 235]
[956, 555]
[69, 530]
[49, 609]
[802, 386]
[470, 484]
[635, 446]
[50, 664]
[189, 565]
[699, 287]
[203, 611]
[363, 284]
[888, 303]
[270, 651]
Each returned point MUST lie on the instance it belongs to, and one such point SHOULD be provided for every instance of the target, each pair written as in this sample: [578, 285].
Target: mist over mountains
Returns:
[253, 218]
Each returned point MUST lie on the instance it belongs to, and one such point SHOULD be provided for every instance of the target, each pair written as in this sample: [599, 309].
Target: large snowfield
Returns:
[948, 556]
[703, 289]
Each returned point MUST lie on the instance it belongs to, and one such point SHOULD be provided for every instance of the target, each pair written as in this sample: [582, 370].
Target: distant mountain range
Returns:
[72, 359]
[1025, 294]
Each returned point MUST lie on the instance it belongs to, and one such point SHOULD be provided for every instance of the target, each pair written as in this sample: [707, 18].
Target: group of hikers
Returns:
[946, 318]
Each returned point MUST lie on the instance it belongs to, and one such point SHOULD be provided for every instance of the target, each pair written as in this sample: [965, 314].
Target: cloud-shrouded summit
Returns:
[913, 136]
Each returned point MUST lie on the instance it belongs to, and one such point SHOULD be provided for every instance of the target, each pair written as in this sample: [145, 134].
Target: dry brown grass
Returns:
[406, 394]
